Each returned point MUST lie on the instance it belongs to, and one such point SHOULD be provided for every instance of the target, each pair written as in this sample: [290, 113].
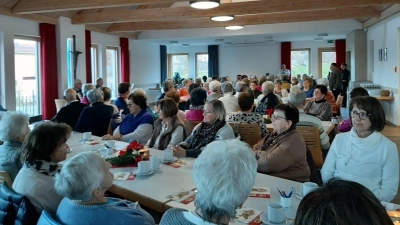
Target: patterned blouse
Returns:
[249, 117]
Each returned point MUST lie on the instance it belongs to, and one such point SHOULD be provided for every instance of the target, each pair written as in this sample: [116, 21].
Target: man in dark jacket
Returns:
[335, 80]
[345, 82]
[70, 113]
[96, 117]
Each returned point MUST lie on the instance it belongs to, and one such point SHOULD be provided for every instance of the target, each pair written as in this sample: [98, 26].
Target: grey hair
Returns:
[296, 96]
[69, 96]
[167, 84]
[95, 95]
[185, 81]
[239, 86]
[139, 91]
[267, 87]
[218, 108]
[223, 174]
[214, 85]
[12, 125]
[79, 176]
[226, 87]
[323, 81]
[87, 87]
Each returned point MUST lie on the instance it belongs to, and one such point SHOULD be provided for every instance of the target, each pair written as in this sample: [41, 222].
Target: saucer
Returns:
[83, 140]
[173, 160]
[299, 196]
[143, 174]
[264, 219]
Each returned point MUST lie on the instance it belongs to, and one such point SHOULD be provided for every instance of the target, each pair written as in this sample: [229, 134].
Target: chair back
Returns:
[189, 125]
[4, 176]
[313, 142]
[60, 103]
[249, 132]
[47, 219]
[339, 101]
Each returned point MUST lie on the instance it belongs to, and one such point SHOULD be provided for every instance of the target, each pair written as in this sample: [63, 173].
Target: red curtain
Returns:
[124, 44]
[48, 69]
[88, 45]
[340, 49]
[286, 48]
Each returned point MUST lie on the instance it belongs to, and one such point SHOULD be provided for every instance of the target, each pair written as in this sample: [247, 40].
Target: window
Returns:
[326, 56]
[27, 81]
[300, 60]
[201, 65]
[112, 62]
[94, 58]
[178, 63]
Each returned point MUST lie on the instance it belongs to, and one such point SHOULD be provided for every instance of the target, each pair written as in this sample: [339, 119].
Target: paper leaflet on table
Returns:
[124, 176]
[260, 192]
[184, 196]
[248, 215]
[177, 164]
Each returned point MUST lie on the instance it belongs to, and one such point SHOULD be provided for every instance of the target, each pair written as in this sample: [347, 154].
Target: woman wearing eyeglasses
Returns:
[364, 155]
[283, 152]
[137, 125]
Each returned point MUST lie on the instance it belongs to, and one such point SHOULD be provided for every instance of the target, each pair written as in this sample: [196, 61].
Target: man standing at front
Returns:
[283, 71]
[335, 80]
[345, 82]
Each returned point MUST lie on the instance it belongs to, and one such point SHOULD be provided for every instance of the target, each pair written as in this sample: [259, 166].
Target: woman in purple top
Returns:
[345, 125]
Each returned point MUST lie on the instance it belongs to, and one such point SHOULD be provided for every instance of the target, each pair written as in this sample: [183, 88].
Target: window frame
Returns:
[169, 61]
[320, 51]
[195, 62]
[114, 90]
[309, 59]
[94, 48]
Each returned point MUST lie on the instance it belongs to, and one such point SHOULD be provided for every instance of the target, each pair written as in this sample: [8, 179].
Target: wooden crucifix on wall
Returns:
[75, 55]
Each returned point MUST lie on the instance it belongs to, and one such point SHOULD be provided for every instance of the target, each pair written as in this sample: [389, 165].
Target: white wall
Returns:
[385, 34]
[9, 27]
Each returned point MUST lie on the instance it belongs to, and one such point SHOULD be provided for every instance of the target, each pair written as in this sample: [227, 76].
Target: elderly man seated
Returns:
[70, 113]
[95, 118]
[230, 101]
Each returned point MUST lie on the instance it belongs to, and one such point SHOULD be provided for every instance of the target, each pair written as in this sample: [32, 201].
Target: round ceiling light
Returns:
[204, 4]
[222, 18]
[234, 27]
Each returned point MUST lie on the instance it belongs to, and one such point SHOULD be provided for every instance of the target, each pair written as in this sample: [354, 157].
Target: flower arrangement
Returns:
[129, 156]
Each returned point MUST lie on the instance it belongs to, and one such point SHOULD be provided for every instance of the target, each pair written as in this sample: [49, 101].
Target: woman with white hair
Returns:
[240, 87]
[223, 175]
[82, 182]
[85, 89]
[13, 130]
[212, 128]
[267, 100]
[215, 90]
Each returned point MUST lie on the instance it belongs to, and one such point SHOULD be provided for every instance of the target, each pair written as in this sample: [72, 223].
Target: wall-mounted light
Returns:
[204, 4]
[234, 27]
[222, 18]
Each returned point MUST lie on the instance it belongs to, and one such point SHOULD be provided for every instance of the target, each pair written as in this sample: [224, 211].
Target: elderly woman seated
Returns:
[329, 97]
[364, 155]
[168, 85]
[254, 89]
[229, 100]
[307, 87]
[267, 100]
[240, 87]
[13, 130]
[319, 107]
[215, 92]
[245, 115]
[278, 90]
[224, 176]
[212, 128]
[283, 152]
[137, 125]
[168, 129]
[82, 182]
[175, 96]
[198, 98]
[43, 148]
[345, 125]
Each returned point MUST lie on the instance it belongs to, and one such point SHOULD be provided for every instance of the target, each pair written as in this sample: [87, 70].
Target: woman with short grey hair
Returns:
[82, 182]
[230, 101]
[13, 130]
[85, 89]
[215, 90]
[240, 87]
[223, 175]
[168, 85]
[267, 99]
[213, 127]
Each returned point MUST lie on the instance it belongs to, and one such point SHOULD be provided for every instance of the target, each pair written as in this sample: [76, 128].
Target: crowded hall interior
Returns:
[200, 112]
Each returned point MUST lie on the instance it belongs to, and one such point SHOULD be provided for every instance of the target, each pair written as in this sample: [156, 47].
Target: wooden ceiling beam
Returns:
[103, 30]
[34, 17]
[384, 14]
[43, 6]
[236, 8]
[330, 14]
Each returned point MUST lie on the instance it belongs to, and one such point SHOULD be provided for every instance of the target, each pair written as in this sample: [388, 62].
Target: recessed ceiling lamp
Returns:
[185, 45]
[204, 4]
[222, 18]
[234, 27]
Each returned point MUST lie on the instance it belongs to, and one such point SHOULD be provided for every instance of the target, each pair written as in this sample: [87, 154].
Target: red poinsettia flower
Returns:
[135, 145]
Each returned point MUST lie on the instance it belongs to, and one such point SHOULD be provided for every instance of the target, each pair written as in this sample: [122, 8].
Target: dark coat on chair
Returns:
[15, 208]
[95, 118]
[69, 114]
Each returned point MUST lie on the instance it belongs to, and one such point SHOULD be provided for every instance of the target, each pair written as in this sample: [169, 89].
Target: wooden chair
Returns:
[5, 177]
[189, 125]
[339, 101]
[311, 137]
[60, 103]
[249, 132]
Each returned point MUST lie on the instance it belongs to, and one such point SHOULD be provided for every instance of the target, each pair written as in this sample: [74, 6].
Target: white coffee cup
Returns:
[275, 212]
[106, 151]
[307, 187]
[87, 136]
[143, 167]
[168, 155]
[286, 202]
[155, 162]
[110, 144]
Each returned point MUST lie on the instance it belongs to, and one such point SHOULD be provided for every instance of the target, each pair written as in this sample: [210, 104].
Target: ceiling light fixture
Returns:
[185, 45]
[222, 18]
[234, 27]
[204, 4]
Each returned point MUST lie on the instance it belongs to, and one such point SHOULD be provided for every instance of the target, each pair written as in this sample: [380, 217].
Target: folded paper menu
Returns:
[248, 215]
[124, 176]
[183, 196]
[260, 192]
[177, 164]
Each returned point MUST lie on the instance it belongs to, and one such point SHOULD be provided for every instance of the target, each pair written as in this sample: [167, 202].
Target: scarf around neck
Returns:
[44, 167]
[205, 134]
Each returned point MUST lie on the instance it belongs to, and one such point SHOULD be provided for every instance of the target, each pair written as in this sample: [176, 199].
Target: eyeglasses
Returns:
[361, 115]
[206, 112]
[129, 105]
[275, 117]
